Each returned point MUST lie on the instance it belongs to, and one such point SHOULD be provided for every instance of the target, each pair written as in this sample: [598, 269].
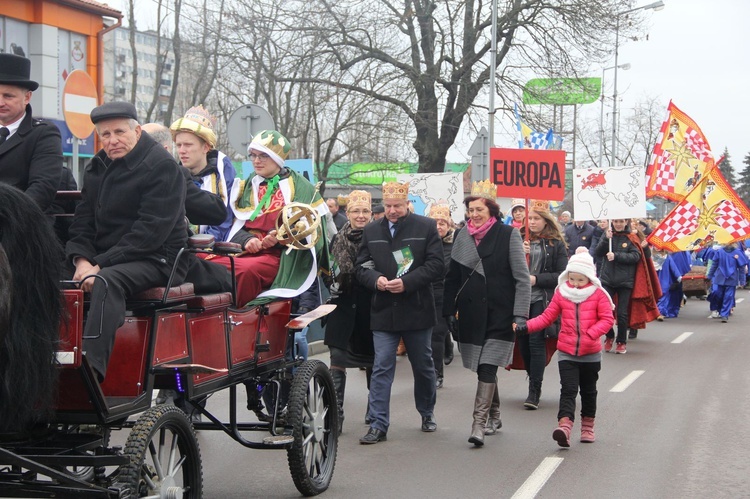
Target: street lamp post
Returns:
[493, 68]
[624, 67]
[652, 6]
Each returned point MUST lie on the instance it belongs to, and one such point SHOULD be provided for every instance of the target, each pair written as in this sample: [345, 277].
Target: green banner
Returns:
[562, 91]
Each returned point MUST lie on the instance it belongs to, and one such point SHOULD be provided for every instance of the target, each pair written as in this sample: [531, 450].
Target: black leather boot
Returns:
[339, 383]
[535, 392]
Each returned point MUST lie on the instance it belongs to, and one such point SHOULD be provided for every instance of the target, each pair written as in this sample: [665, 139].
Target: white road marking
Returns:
[626, 381]
[538, 478]
[739, 300]
[682, 337]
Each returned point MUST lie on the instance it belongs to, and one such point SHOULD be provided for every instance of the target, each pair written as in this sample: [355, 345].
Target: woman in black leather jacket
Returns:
[548, 257]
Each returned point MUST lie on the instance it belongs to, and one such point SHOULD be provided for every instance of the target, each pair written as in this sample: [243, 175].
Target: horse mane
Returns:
[30, 310]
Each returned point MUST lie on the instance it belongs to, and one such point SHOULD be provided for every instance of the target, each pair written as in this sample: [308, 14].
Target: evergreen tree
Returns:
[743, 184]
[727, 170]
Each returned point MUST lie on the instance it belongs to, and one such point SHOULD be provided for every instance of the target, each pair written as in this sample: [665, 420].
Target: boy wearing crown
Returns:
[211, 169]
[399, 258]
[256, 205]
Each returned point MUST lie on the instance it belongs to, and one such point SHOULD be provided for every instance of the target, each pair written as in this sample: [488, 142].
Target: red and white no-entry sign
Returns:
[79, 98]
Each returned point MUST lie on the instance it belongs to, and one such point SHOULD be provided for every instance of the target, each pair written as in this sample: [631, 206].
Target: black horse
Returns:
[30, 310]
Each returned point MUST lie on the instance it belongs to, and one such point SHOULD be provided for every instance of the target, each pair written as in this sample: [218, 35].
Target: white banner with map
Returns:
[608, 193]
[426, 189]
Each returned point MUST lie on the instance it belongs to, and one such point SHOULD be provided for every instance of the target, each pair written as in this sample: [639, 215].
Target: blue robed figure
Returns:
[675, 266]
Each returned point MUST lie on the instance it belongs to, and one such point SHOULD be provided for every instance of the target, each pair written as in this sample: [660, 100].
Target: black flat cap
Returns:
[378, 208]
[112, 110]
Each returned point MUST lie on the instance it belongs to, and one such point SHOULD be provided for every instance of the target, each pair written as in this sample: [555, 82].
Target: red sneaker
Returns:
[608, 343]
[621, 348]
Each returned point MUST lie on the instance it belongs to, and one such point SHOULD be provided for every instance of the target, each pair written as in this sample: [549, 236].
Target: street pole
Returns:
[614, 96]
[493, 68]
[625, 66]
[652, 6]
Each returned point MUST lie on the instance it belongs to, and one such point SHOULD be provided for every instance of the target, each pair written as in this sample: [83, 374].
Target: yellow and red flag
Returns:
[710, 213]
[681, 157]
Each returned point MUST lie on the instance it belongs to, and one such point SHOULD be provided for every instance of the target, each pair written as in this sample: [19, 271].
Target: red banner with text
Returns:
[528, 173]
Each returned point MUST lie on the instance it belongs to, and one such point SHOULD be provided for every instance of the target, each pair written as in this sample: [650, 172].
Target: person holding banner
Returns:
[488, 285]
[548, 256]
[630, 279]
[726, 265]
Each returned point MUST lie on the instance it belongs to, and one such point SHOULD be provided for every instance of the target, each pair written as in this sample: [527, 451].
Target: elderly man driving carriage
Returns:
[129, 226]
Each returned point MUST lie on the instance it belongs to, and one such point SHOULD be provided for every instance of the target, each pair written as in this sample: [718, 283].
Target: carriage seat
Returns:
[209, 301]
[176, 294]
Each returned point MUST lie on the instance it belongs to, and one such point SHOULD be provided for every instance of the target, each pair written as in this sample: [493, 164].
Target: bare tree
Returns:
[131, 36]
[434, 54]
[161, 60]
[177, 50]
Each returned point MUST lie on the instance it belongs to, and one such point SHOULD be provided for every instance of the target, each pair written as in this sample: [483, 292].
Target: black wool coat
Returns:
[487, 305]
[32, 160]
[415, 307]
[133, 208]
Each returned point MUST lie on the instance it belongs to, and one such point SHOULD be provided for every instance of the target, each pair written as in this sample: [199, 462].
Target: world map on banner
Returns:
[607, 193]
[426, 189]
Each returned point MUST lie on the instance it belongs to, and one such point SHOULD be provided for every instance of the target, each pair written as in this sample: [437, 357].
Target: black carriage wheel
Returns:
[165, 460]
[313, 415]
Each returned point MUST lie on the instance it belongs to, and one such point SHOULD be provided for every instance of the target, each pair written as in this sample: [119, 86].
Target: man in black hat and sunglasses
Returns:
[31, 156]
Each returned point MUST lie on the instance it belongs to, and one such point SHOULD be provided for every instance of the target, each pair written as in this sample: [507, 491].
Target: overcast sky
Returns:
[697, 54]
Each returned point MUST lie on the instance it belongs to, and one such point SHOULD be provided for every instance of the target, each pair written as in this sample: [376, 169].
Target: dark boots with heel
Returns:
[339, 384]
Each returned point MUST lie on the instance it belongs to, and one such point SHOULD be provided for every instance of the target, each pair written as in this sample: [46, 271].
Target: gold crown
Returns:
[198, 121]
[200, 115]
[358, 199]
[440, 212]
[342, 199]
[538, 205]
[484, 189]
[394, 190]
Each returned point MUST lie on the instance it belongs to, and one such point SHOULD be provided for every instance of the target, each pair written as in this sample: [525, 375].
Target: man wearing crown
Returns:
[211, 169]
[257, 204]
[399, 258]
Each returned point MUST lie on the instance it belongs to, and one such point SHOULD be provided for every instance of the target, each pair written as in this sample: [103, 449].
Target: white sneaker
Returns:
[714, 315]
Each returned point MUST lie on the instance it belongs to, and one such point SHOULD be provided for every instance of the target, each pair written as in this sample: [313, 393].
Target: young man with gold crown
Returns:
[256, 204]
[211, 169]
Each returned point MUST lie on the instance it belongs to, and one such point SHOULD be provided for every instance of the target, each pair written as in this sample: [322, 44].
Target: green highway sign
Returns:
[562, 91]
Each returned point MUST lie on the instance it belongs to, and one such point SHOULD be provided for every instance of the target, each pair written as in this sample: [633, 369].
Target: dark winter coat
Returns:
[348, 326]
[413, 309]
[620, 272]
[133, 208]
[31, 160]
[578, 236]
[487, 305]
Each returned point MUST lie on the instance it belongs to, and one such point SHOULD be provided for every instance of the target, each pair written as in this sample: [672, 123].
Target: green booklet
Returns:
[404, 259]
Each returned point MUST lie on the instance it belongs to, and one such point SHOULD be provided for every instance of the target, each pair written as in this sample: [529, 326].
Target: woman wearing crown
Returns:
[488, 286]
[211, 169]
[256, 205]
[348, 334]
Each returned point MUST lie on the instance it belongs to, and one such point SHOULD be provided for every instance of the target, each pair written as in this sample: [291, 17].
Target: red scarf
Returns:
[479, 233]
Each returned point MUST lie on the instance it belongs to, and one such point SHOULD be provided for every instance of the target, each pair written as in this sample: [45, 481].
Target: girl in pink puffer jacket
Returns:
[586, 315]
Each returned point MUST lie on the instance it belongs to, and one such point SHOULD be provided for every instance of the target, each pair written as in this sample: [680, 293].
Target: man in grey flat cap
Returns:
[129, 226]
[31, 156]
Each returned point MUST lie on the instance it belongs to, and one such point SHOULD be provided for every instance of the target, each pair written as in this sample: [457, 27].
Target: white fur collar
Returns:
[576, 295]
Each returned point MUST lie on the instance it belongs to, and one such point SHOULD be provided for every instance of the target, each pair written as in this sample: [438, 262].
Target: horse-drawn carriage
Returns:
[197, 345]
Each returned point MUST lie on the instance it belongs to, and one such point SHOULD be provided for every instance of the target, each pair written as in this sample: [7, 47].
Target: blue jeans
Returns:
[419, 353]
